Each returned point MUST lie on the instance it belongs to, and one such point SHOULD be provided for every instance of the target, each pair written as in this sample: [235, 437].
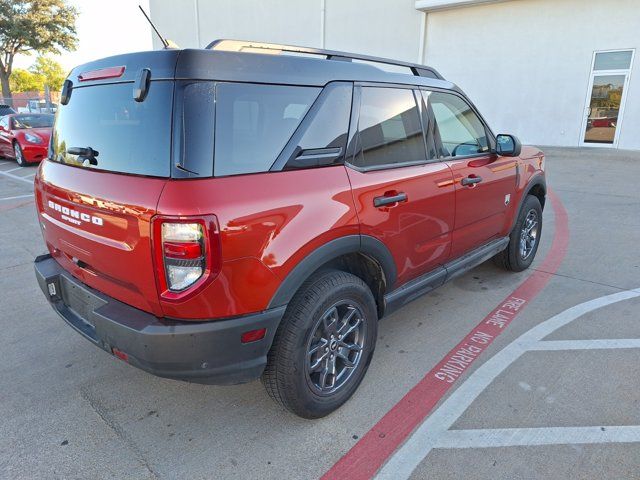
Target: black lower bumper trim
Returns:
[204, 352]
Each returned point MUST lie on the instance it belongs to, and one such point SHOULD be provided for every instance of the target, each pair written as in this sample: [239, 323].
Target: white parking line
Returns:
[16, 177]
[586, 344]
[12, 170]
[429, 434]
[17, 197]
[512, 437]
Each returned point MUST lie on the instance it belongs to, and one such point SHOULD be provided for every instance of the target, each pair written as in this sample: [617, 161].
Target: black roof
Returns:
[311, 67]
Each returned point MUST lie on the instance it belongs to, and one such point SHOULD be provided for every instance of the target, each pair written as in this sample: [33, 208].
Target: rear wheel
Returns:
[524, 238]
[323, 346]
[19, 155]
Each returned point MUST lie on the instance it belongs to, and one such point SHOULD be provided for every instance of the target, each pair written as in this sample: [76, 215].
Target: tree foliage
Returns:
[51, 71]
[43, 26]
[22, 80]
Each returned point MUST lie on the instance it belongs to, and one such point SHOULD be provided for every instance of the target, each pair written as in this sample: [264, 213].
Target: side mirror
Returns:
[508, 145]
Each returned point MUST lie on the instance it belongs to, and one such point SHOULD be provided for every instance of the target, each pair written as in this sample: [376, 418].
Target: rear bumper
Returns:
[204, 352]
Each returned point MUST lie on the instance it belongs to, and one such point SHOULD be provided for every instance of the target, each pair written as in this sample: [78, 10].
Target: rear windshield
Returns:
[32, 121]
[104, 128]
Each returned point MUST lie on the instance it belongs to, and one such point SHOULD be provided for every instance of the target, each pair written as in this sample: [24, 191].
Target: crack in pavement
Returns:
[602, 194]
[578, 279]
[118, 430]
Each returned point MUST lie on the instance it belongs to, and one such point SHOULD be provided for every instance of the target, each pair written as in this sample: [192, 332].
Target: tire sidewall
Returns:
[19, 157]
[307, 400]
[530, 203]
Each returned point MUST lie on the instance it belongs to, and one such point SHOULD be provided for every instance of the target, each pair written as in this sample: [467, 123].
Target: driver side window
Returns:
[460, 130]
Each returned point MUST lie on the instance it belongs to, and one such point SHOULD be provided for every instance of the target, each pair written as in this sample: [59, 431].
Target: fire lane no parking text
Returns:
[381, 441]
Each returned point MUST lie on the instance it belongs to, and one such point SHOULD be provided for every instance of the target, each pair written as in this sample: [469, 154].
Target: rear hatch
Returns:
[110, 157]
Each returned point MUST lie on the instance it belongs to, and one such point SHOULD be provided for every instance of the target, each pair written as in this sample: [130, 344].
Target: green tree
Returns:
[43, 26]
[25, 81]
[52, 72]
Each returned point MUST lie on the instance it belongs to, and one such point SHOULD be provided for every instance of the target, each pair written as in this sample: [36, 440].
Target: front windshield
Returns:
[32, 121]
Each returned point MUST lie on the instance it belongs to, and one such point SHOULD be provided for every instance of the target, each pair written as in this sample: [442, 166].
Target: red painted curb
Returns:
[367, 456]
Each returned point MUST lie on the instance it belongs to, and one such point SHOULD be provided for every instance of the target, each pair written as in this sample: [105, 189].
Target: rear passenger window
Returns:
[389, 128]
[460, 129]
[254, 122]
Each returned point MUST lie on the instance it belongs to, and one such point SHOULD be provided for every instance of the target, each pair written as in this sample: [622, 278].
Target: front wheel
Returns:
[19, 155]
[524, 238]
[323, 346]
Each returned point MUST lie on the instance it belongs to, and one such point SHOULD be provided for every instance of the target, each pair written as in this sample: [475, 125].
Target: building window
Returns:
[613, 60]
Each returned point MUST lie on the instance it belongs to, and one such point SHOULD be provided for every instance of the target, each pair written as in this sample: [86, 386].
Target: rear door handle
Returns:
[471, 180]
[389, 199]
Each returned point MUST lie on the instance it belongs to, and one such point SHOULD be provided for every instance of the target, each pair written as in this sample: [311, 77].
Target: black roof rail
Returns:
[255, 47]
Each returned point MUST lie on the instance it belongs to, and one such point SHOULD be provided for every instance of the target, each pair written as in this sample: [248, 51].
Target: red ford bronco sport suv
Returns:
[223, 214]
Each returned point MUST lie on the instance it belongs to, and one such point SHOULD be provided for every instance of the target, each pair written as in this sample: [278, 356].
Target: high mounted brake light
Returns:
[187, 254]
[103, 73]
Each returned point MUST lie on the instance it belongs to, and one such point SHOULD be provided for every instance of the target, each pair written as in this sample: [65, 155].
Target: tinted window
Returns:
[389, 128]
[128, 136]
[459, 128]
[254, 123]
[330, 124]
[196, 137]
[32, 121]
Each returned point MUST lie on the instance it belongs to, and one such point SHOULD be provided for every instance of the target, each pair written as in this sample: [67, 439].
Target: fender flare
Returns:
[537, 180]
[370, 246]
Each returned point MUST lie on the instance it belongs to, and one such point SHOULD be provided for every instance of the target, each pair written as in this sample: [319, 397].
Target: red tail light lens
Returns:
[182, 250]
[187, 254]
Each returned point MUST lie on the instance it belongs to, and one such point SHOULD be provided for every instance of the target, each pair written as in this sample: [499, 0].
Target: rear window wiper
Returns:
[86, 154]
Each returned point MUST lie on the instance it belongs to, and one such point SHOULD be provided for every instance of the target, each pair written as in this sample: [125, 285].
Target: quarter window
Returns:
[460, 130]
[389, 128]
[254, 122]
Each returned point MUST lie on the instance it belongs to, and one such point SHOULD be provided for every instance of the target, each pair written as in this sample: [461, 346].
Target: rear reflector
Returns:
[253, 335]
[120, 354]
[111, 72]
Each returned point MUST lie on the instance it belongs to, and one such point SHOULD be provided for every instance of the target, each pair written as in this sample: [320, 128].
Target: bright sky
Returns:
[105, 27]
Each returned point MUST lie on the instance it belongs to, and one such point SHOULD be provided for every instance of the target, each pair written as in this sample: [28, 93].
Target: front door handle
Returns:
[389, 199]
[471, 180]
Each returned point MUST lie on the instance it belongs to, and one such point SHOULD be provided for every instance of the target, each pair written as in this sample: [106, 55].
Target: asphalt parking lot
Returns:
[493, 376]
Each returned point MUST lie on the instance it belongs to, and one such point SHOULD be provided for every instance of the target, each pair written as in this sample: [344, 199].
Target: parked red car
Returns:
[25, 136]
[221, 215]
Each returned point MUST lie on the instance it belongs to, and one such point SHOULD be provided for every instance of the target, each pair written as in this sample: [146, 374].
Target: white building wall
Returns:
[378, 27]
[276, 21]
[526, 63]
[383, 28]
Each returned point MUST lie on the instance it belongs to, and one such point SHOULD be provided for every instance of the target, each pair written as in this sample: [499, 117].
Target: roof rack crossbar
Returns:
[249, 46]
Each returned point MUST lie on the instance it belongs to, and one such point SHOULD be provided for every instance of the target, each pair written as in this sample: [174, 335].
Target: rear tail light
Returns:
[187, 254]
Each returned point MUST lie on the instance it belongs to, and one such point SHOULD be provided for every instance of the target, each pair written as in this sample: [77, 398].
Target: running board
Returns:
[435, 278]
